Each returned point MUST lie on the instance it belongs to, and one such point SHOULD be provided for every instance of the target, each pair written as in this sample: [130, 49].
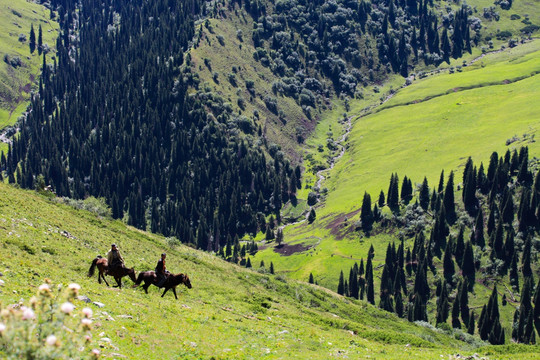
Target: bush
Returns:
[529, 29]
[48, 328]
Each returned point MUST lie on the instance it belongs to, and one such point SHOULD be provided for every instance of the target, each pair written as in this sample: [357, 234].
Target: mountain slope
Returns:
[230, 312]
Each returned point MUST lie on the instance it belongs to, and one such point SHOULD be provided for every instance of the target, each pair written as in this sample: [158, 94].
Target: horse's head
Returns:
[185, 281]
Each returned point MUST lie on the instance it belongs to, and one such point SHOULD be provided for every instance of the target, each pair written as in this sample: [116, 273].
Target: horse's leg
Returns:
[166, 289]
[103, 276]
[174, 292]
[146, 286]
[99, 277]
[118, 281]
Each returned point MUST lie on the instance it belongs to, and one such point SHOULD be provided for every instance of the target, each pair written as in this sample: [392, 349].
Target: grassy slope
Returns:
[235, 52]
[15, 83]
[424, 139]
[231, 312]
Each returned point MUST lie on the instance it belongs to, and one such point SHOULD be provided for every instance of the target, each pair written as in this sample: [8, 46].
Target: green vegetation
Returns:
[229, 312]
[17, 80]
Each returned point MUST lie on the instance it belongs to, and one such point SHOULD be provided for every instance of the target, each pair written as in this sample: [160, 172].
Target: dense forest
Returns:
[477, 241]
[113, 119]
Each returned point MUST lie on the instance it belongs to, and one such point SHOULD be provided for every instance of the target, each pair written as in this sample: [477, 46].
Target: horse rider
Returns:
[114, 259]
[161, 271]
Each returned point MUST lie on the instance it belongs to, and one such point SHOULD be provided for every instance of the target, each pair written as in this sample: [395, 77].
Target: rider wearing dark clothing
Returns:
[161, 270]
[114, 259]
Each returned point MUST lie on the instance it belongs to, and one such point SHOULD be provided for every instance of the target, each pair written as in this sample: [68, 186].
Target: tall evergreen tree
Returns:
[423, 196]
[370, 290]
[366, 216]
[32, 39]
[449, 203]
[341, 284]
[467, 265]
[442, 305]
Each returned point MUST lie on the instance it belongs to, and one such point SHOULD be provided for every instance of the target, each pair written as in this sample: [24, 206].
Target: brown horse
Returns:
[118, 273]
[173, 280]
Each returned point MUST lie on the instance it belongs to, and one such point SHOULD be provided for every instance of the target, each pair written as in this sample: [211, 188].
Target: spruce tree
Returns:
[385, 301]
[456, 324]
[353, 282]
[448, 265]
[366, 216]
[423, 196]
[459, 249]
[470, 326]
[271, 268]
[442, 305]
[32, 39]
[514, 274]
[448, 200]
[526, 258]
[248, 263]
[479, 239]
[341, 284]
[467, 265]
[40, 40]
[440, 188]
[381, 199]
[312, 281]
[370, 290]
[464, 301]
[312, 216]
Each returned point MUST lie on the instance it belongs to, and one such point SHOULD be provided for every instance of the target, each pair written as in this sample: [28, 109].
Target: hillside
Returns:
[231, 312]
[20, 68]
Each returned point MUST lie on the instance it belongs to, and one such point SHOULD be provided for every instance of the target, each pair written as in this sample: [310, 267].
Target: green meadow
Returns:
[417, 140]
[16, 83]
[230, 313]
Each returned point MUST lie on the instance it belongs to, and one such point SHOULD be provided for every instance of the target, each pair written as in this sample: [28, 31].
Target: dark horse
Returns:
[118, 273]
[173, 280]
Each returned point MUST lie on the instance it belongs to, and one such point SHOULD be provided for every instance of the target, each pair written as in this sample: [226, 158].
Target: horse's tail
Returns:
[93, 266]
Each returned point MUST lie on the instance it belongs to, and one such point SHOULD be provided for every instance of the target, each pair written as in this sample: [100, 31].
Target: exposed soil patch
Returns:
[339, 227]
[287, 250]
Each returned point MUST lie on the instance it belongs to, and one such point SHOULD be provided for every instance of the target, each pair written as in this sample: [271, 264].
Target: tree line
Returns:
[113, 118]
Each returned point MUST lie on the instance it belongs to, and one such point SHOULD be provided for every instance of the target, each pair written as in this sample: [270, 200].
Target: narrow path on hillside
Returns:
[377, 108]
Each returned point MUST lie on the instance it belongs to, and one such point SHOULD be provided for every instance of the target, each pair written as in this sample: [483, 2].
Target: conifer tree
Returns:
[370, 290]
[456, 324]
[32, 39]
[353, 282]
[526, 258]
[381, 199]
[459, 249]
[385, 301]
[463, 294]
[536, 312]
[448, 201]
[445, 46]
[508, 209]
[341, 284]
[467, 265]
[399, 304]
[479, 239]
[408, 262]
[248, 263]
[312, 216]
[40, 40]
[448, 265]
[312, 281]
[423, 196]
[271, 268]
[442, 305]
[440, 188]
[406, 190]
[470, 327]
[366, 216]
[514, 274]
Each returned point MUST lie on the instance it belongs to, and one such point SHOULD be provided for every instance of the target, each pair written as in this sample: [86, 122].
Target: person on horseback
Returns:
[114, 259]
[161, 271]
